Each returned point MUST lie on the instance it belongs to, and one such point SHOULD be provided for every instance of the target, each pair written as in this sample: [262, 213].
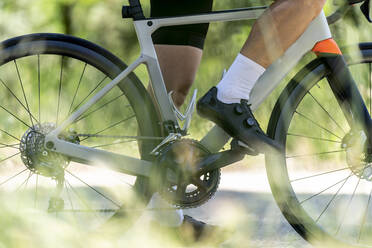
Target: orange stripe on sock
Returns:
[326, 46]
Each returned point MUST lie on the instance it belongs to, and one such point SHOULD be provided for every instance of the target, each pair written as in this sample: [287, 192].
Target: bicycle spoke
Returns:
[329, 115]
[38, 84]
[70, 200]
[30, 175]
[15, 146]
[16, 117]
[77, 88]
[81, 199]
[19, 101]
[370, 87]
[316, 124]
[59, 89]
[364, 216]
[314, 138]
[23, 91]
[10, 145]
[320, 174]
[315, 154]
[333, 197]
[36, 190]
[20, 187]
[100, 107]
[348, 205]
[2, 160]
[111, 126]
[68, 196]
[24, 182]
[10, 135]
[98, 192]
[90, 93]
[10, 178]
[322, 191]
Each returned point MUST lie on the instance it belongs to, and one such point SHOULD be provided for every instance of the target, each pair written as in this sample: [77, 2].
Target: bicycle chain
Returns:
[119, 136]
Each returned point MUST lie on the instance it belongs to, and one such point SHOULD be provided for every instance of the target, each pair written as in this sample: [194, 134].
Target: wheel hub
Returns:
[357, 157]
[36, 158]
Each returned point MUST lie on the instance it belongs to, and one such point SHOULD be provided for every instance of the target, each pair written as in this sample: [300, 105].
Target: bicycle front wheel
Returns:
[43, 79]
[323, 181]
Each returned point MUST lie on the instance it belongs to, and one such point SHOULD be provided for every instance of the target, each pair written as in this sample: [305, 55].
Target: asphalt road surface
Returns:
[245, 203]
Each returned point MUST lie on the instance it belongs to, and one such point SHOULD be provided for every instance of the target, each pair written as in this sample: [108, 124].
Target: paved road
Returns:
[244, 201]
[258, 221]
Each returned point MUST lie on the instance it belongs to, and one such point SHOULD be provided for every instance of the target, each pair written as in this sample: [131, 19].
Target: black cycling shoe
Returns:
[194, 232]
[237, 120]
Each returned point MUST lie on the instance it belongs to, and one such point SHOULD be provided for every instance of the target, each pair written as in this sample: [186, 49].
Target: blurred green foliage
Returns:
[101, 23]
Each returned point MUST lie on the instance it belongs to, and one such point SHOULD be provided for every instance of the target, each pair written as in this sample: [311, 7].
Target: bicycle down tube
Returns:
[216, 138]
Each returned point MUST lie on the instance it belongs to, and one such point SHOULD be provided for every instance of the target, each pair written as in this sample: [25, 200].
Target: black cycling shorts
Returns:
[191, 35]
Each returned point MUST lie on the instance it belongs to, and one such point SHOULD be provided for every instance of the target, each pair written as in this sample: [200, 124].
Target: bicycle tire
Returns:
[99, 61]
[317, 217]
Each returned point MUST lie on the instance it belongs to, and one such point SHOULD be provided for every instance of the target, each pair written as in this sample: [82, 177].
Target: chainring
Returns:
[179, 185]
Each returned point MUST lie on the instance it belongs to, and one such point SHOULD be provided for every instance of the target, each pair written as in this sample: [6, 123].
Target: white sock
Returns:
[167, 217]
[239, 80]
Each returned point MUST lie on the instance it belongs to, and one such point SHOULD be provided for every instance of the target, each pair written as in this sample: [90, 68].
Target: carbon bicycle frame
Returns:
[216, 138]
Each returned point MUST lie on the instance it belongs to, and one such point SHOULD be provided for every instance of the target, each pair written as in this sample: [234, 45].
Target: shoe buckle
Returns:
[250, 122]
[238, 110]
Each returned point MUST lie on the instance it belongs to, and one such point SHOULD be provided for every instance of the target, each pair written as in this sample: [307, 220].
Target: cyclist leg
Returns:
[178, 74]
[179, 51]
[272, 34]
[278, 28]
[179, 48]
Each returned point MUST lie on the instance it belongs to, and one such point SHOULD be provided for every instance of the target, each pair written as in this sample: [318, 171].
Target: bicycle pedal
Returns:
[239, 145]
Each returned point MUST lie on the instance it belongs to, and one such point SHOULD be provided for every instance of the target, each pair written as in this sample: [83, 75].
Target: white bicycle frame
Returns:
[216, 137]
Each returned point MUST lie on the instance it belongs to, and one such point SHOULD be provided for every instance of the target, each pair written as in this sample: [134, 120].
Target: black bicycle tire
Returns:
[133, 89]
[278, 125]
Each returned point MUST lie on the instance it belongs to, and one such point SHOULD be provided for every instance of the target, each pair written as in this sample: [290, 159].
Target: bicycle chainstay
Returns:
[187, 199]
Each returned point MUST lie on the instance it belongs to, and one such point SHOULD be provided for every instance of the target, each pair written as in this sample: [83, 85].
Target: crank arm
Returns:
[95, 157]
[218, 161]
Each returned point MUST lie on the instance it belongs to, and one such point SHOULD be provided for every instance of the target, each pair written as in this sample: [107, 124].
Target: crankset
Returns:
[179, 181]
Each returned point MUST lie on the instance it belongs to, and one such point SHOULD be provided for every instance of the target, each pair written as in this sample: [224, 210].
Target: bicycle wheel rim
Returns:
[69, 50]
[288, 196]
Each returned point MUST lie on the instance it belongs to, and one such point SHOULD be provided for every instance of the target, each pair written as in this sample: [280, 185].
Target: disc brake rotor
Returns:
[358, 161]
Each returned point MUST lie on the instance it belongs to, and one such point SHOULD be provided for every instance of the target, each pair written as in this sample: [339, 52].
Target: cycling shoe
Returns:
[194, 233]
[237, 120]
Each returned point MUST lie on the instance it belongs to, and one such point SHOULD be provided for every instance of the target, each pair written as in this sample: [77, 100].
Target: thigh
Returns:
[191, 35]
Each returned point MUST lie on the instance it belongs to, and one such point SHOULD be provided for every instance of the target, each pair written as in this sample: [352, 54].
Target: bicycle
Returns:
[48, 143]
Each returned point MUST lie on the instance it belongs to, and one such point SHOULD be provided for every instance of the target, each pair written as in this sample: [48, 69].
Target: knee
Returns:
[313, 6]
[179, 96]
[178, 99]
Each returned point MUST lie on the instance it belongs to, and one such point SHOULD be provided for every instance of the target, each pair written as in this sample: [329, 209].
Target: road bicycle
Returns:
[69, 105]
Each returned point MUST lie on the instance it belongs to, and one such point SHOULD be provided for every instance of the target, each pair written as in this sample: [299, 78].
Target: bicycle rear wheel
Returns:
[43, 79]
[322, 183]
